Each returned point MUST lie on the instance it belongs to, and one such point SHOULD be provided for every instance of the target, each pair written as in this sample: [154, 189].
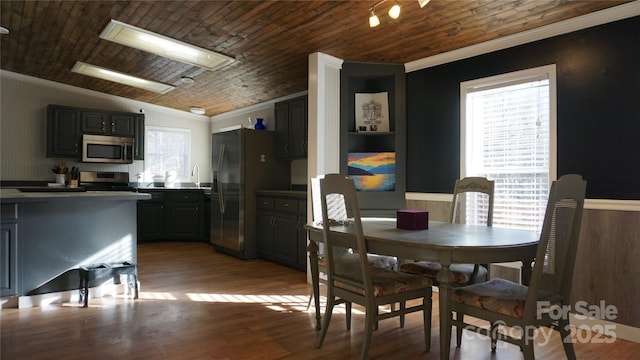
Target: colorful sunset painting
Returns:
[372, 171]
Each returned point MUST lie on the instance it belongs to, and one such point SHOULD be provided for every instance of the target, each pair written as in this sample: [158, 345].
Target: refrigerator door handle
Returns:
[220, 193]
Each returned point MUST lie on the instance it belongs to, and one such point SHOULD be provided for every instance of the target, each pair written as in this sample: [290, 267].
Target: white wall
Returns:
[244, 117]
[23, 113]
[23, 104]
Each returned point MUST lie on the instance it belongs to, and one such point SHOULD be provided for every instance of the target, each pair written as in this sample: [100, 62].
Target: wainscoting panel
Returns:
[608, 263]
[438, 210]
[607, 269]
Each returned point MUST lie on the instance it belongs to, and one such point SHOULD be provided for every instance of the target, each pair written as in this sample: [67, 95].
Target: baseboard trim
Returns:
[605, 328]
[68, 296]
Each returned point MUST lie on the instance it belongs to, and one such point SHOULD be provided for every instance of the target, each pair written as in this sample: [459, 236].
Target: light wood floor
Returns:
[199, 304]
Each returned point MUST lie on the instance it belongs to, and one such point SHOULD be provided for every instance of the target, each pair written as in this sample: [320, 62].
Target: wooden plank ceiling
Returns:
[270, 40]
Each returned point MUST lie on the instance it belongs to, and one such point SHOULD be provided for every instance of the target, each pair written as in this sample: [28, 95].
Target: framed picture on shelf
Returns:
[372, 171]
[372, 112]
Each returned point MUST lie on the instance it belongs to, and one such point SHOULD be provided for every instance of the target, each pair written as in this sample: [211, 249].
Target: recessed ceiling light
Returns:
[106, 74]
[145, 40]
[197, 110]
[186, 80]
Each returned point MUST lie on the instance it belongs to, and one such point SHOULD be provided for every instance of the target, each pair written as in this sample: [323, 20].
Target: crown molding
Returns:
[331, 60]
[615, 13]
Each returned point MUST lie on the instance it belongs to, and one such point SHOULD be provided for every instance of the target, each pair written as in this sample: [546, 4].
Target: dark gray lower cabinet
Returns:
[151, 217]
[279, 228]
[9, 251]
[172, 215]
[264, 227]
[186, 215]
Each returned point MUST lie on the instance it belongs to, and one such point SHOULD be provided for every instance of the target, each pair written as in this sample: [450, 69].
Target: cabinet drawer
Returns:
[286, 205]
[186, 196]
[265, 203]
[155, 195]
[9, 212]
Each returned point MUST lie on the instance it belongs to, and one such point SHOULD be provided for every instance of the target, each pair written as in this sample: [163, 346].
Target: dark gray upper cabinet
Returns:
[65, 126]
[63, 132]
[358, 77]
[93, 122]
[281, 115]
[122, 125]
[291, 128]
[138, 134]
[107, 123]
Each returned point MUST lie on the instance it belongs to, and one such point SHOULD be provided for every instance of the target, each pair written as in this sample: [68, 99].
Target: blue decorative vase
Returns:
[259, 125]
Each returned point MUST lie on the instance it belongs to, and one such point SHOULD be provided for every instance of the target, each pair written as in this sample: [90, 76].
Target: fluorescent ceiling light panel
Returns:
[106, 74]
[135, 37]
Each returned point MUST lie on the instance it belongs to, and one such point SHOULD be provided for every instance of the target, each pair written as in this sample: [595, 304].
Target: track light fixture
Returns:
[373, 19]
[394, 12]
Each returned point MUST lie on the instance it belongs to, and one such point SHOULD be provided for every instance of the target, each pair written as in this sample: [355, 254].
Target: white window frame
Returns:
[547, 71]
[181, 177]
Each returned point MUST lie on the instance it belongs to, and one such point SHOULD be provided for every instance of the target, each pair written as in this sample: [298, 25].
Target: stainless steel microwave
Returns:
[107, 149]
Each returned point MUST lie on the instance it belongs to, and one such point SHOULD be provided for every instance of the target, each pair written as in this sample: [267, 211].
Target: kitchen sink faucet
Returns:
[196, 172]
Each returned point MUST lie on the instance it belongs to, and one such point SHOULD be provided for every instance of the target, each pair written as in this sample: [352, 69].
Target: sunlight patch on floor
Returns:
[252, 299]
[156, 296]
[275, 302]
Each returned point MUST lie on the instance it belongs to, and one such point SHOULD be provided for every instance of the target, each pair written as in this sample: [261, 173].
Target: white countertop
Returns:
[15, 195]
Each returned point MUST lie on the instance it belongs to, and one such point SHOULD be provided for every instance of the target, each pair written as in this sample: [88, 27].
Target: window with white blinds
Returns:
[166, 149]
[508, 135]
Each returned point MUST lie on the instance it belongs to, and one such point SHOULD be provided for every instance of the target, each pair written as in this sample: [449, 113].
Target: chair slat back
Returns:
[473, 189]
[556, 253]
[346, 253]
[336, 208]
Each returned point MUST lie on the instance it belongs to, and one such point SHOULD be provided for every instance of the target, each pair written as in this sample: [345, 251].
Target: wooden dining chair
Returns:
[338, 212]
[526, 308]
[479, 190]
[350, 278]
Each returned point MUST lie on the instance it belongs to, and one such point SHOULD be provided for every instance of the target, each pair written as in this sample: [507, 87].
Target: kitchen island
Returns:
[46, 236]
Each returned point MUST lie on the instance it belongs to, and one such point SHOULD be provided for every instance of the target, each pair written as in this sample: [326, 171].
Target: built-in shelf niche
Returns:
[359, 77]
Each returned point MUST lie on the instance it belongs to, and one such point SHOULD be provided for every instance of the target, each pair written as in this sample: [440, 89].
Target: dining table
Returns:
[442, 242]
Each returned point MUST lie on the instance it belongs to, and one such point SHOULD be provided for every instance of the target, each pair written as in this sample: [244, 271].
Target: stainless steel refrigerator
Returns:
[242, 162]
